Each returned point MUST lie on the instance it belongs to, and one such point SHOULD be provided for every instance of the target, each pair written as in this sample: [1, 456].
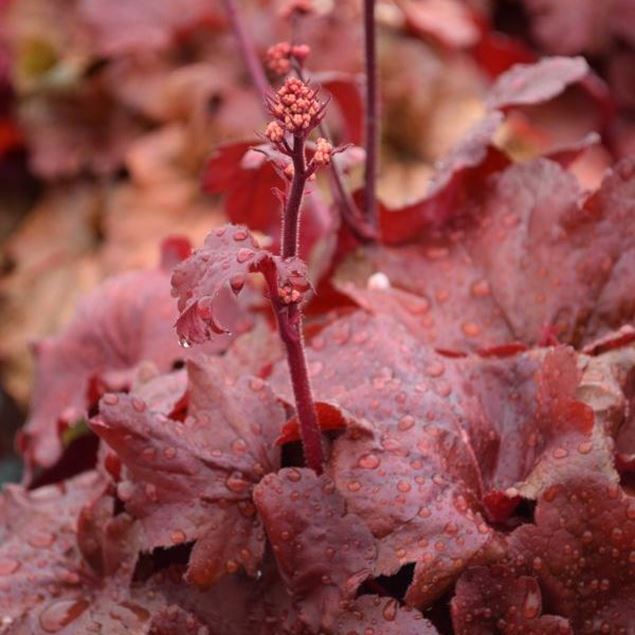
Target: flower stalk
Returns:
[297, 111]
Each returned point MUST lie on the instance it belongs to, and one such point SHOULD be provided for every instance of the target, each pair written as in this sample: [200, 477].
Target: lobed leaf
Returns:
[192, 480]
[204, 281]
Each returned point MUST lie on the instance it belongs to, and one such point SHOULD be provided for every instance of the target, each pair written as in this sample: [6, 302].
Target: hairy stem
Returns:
[371, 121]
[246, 48]
[290, 318]
[290, 324]
[291, 215]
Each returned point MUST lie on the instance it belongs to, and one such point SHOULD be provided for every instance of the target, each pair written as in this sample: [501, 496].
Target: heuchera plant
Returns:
[445, 444]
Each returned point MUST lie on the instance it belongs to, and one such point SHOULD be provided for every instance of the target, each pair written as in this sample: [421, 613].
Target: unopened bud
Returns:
[323, 152]
[274, 132]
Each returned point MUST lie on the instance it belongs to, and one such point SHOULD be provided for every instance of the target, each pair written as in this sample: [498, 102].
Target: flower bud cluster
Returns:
[296, 107]
[323, 152]
[280, 55]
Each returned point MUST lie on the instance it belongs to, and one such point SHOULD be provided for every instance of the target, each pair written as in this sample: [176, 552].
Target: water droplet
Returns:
[406, 422]
[41, 539]
[184, 342]
[378, 281]
[470, 329]
[244, 255]
[293, 475]
[369, 461]
[531, 607]
[550, 494]
[480, 289]
[239, 446]
[240, 235]
[7, 567]
[177, 536]
[436, 369]
[236, 483]
[60, 614]
[138, 404]
[237, 282]
[111, 399]
[231, 566]
[390, 610]
[451, 529]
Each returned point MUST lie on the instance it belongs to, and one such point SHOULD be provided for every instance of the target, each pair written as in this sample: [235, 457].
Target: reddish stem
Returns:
[291, 214]
[371, 120]
[290, 317]
[290, 325]
[247, 49]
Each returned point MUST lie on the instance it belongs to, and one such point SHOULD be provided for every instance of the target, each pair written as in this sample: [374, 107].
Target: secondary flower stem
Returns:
[246, 48]
[371, 122]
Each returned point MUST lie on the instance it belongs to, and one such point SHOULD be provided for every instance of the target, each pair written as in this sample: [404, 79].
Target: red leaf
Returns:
[529, 254]
[524, 85]
[124, 322]
[405, 467]
[203, 281]
[248, 187]
[581, 551]
[324, 552]
[386, 615]
[192, 480]
[39, 556]
[494, 600]
[533, 431]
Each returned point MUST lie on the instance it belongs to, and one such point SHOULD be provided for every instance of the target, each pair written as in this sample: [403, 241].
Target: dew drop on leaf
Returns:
[177, 536]
[41, 539]
[60, 614]
[7, 567]
[369, 461]
[169, 452]
[244, 255]
[390, 610]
